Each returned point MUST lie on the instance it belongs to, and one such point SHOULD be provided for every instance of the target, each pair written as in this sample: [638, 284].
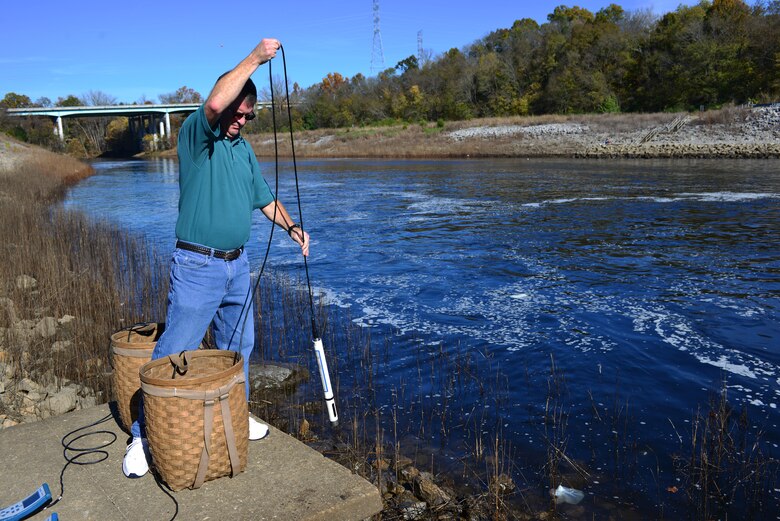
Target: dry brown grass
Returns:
[93, 272]
[730, 116]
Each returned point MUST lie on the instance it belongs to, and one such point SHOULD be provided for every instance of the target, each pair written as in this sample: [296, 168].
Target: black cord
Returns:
[67, 447]
[297, 186]
[97, 452]
[167, 492]
[251, 294]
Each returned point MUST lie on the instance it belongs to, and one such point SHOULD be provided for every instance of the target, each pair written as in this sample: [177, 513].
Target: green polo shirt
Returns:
[219, 186]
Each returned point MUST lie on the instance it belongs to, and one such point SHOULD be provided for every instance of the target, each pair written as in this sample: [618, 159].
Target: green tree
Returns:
[68, 101]
[406, 64]
[452, 84]
[567, 15]
[14, 126]
[13, 100]
[613, 14]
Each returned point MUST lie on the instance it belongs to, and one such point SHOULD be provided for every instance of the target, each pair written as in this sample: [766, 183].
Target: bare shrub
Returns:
[729, 116]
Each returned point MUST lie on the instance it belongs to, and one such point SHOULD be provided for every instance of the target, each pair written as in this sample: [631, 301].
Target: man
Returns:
[219, 186]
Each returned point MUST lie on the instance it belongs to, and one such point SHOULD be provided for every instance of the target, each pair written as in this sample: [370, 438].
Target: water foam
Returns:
[706, 197]
[677, 331]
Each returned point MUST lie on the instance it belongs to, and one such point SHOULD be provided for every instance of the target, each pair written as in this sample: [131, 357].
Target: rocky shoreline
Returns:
[26, 396]
[683, 151]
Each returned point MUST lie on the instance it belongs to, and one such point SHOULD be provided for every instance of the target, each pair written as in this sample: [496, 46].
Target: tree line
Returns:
[700, 56]
[705, 55]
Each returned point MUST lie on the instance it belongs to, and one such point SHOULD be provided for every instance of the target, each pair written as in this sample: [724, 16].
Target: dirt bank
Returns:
[12, 153]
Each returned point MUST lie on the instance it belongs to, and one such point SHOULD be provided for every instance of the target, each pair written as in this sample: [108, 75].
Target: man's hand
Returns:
[302, 238]
[266, 49]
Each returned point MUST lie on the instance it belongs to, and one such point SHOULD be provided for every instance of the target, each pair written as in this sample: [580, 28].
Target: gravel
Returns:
[550, 129]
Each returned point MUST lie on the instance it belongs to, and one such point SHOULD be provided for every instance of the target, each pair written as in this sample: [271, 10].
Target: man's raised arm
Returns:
[229, 86]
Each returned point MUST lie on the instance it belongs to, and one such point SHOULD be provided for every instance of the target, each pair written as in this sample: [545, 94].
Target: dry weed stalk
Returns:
[91, 271]
[726, 471]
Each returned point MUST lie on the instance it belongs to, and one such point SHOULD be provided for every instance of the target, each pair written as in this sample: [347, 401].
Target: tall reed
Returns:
[92, 272]
[726, 472]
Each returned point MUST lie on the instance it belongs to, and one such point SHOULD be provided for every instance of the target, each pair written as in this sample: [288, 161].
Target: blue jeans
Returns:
[205, 289]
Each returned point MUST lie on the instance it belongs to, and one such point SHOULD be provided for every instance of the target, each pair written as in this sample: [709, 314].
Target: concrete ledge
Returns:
[284, 479]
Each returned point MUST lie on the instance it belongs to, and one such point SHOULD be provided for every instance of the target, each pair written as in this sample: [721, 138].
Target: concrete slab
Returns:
[284, 480]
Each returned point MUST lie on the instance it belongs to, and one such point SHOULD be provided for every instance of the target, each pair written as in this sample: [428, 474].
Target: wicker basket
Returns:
[130, 349]
[197, 419]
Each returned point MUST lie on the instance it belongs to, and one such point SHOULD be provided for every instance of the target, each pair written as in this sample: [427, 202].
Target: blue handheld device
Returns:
[28, 505]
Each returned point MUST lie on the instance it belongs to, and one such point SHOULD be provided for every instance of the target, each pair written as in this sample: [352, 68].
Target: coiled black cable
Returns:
[74, 455]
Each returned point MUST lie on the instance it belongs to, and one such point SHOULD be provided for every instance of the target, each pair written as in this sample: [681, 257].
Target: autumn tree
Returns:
[183, 94]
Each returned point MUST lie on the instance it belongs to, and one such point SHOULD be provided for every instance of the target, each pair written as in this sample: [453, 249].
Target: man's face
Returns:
[236, 116]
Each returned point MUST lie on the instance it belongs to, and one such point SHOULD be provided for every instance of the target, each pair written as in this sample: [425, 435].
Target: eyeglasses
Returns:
[247, 117]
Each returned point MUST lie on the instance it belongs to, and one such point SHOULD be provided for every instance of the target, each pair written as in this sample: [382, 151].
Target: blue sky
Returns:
[145, 48]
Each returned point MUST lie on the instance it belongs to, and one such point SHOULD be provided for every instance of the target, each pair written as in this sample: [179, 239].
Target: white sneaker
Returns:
[136, 461]
[257, 430]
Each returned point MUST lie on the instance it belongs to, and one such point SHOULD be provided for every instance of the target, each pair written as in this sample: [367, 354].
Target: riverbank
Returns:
[32, 321]
[726, 133]
[51, 312]
[446, 426]
[69, 283]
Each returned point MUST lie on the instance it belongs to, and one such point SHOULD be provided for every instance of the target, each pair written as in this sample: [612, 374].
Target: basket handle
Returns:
[180, 364]
[141, 328]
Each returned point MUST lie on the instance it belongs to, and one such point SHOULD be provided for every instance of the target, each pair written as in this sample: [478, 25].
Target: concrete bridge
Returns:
[143, 119]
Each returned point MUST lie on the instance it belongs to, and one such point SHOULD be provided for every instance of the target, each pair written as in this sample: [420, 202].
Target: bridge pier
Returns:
[60, 133]
[138, 130]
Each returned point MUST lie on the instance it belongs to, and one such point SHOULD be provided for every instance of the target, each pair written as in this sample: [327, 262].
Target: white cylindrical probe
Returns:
[327, 389]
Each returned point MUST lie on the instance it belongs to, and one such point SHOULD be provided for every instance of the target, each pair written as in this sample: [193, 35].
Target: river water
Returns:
[621, 294]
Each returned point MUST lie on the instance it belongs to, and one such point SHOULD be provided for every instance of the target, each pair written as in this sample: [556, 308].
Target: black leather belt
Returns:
[220, 254]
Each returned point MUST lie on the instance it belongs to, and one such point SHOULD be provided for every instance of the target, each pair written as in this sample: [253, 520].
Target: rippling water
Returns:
[649, 284]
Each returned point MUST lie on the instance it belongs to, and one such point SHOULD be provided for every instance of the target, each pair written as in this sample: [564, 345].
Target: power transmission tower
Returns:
[419, 49]
[377, 53]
